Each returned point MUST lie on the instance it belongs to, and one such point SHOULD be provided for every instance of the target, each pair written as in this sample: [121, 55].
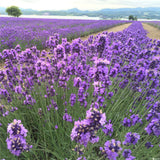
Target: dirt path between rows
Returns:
[153, 32]
[112, 29]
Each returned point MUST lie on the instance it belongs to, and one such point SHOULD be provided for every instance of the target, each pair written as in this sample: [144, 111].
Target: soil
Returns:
[153, 32]
[2, 65]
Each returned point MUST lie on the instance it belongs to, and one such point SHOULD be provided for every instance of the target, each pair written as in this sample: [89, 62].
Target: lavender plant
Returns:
[93, 99]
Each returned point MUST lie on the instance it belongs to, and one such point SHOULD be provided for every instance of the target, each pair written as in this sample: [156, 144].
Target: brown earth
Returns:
[153, 32]
[113, 29]
[2, 65]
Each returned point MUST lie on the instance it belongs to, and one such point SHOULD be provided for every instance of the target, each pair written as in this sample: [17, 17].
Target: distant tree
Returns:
[13, 11]
[135, 18]
[131, 17]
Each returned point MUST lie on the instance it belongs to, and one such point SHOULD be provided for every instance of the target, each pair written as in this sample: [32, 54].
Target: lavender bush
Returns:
[95, 99]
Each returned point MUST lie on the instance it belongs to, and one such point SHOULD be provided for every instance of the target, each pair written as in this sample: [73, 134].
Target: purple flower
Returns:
[127, 154]
[79, 150]
[56, 127]
[17, 144]
[110, 94]
[13, 109]
[18, 48]
[96, 117]
[81, 158]
[148, 145]
[113, 72]
[29, 100]
[131, 138]
[2, 75]
[76, 47]
[18, 89]
[84, 132]
[141, 74]
[59, 52]
[94, 139]
[77, 82]
[127, 122]
[154, 127]
[72, 99]
[67, 117]
[135, 119]
[123, 84]
[100, 100]
[132, 122]
[95, 105]
[50, 91]
[54, 104]
[111, 149]
[80, 132]
[5, 113]
[16, 128]
[108, 128]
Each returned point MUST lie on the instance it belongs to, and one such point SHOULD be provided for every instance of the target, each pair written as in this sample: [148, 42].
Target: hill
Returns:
[141, 13]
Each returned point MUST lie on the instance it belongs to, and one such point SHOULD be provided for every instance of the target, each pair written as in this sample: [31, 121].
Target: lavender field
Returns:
[80, 100]
[155, 23]
[29, 32]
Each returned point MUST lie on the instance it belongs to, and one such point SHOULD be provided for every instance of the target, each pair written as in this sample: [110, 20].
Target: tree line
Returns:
[132, 18]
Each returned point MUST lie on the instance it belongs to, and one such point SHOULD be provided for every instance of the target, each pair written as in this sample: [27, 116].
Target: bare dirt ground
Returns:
[1, 65]
[153, 32]
[113, 29]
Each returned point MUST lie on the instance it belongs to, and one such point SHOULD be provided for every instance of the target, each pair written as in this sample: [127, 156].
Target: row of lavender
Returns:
[97, 99]
[154, 24]
[29, 32]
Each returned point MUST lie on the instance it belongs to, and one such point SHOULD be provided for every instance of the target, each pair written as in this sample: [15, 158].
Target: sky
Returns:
[80, 4]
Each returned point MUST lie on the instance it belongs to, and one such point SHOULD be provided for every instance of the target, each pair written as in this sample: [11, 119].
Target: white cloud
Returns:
[80, 4]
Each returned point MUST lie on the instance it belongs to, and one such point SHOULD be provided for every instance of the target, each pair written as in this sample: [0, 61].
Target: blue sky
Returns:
[80, 4]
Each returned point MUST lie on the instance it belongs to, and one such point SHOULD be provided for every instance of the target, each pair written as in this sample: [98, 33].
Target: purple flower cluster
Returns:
[85, 131]
[154, 127]
[16, 142]
[53, 41]
[148, 145]
[67, 117]
[72, 99]
[108, 128]
[134, 119]
[5, 112]
[127, 154]
[154, 117]
[29, 100]
[131, 138]
[111, 149]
